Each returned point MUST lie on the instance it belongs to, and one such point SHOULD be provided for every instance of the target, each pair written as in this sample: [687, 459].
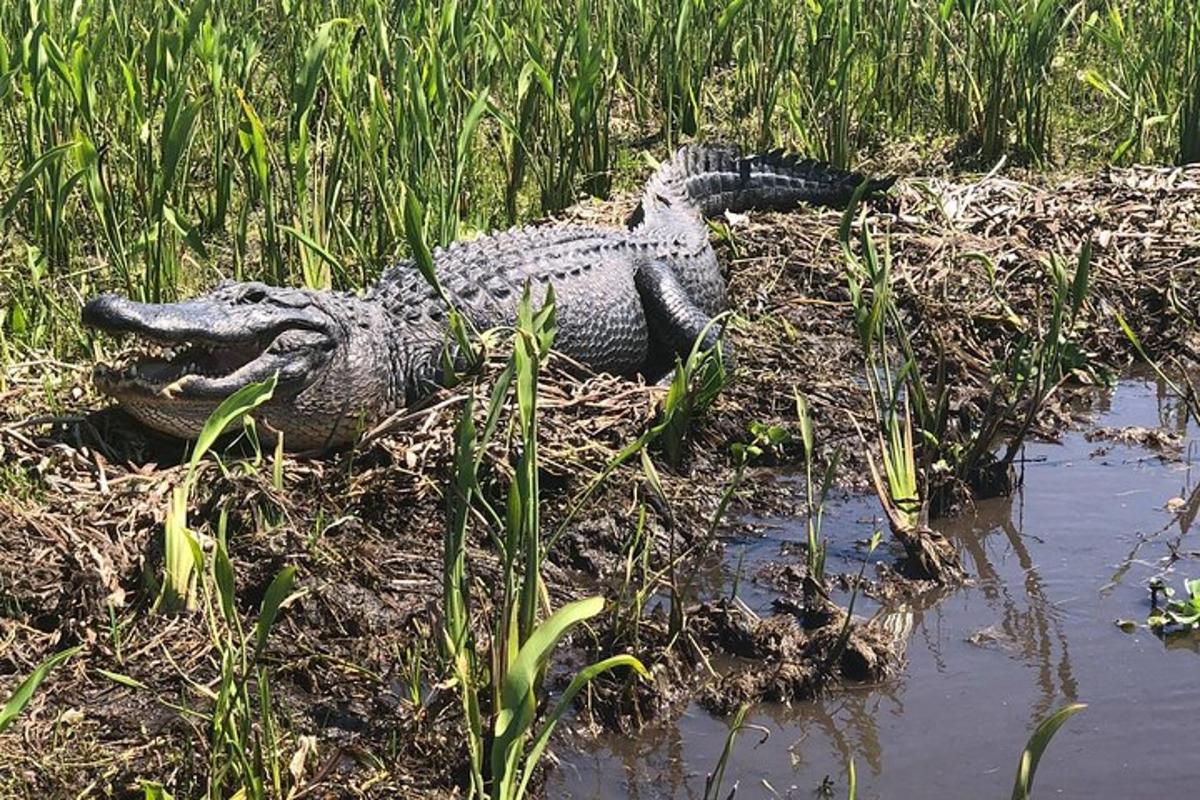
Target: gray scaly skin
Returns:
[627, 302]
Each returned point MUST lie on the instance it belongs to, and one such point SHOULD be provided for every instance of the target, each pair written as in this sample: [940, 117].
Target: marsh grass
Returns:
[507, 675]
[182, 555]
[928, 460]
[245, 746]
[151, 148]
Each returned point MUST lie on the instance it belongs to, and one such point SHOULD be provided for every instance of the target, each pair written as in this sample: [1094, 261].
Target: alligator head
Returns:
[329, 350]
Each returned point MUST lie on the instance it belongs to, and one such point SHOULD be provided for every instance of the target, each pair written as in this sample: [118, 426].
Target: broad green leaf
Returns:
[24, 693]
[189, 232]
[467, 132]
[277, 592]
[1093, 78]
[223, 571]
[728, 16]
[1079, 285]
[518, 704]
[231, 410]
[178, 127]
[851, 209]
[155, 791]
[1038, 742]
[178, 557]
[414, 230]
[1141, 351]
[581, 679]
[254, 142]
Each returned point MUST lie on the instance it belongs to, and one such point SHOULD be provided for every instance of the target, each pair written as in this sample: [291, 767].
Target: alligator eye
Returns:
[254, 294]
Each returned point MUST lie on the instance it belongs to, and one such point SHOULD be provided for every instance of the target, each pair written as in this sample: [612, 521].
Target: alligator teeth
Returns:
[169, 390]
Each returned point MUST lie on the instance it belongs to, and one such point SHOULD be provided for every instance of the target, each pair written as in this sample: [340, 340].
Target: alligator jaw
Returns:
[204, 349]
[197, 370]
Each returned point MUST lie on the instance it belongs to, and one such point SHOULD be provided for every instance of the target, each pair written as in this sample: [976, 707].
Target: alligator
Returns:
[627, 302]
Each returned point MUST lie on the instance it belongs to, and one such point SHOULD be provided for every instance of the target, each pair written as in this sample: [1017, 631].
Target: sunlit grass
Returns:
[505, 742]
[163, 146]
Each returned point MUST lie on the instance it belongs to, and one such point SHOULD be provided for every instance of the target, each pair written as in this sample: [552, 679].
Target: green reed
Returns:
[512, 668]
[152, 148]
[928, 459]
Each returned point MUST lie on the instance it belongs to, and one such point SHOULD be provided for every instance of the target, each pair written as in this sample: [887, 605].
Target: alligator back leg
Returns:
[674, 321]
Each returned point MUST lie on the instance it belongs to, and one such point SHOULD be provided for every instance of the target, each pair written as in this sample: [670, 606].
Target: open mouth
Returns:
[168, 368]
[203, 349]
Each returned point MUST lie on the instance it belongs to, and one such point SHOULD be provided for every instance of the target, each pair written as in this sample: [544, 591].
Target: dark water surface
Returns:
[1052, 569]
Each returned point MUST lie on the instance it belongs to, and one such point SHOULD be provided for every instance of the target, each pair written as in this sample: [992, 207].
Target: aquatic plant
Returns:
[1039, 740]
[1177, 615]
[880, 328]
[815, 545]
[929, 471]
[714, 780]
[1149, 97]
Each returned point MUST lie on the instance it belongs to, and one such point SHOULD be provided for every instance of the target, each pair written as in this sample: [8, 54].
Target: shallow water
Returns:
[1053, 568]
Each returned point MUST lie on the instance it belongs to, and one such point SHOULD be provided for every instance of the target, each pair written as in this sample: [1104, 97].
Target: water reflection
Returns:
[1185, 517]
[847, 722]
[1031, 628]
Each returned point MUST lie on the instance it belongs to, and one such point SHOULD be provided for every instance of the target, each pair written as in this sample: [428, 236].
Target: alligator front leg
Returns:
[675, 322]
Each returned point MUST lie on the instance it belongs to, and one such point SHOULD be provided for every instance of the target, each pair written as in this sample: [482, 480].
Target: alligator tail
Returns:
[713, 179]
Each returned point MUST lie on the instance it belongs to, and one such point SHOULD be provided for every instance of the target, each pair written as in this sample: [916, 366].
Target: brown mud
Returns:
[84, 493]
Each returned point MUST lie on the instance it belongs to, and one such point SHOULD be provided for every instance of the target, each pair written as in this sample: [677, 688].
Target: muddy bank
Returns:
[1054, 567]
[84, 494]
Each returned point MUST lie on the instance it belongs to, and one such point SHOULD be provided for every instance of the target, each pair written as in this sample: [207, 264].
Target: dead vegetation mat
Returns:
[84, 491]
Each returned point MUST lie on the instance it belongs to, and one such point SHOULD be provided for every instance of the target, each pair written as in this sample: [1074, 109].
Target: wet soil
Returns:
[1053, 568]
